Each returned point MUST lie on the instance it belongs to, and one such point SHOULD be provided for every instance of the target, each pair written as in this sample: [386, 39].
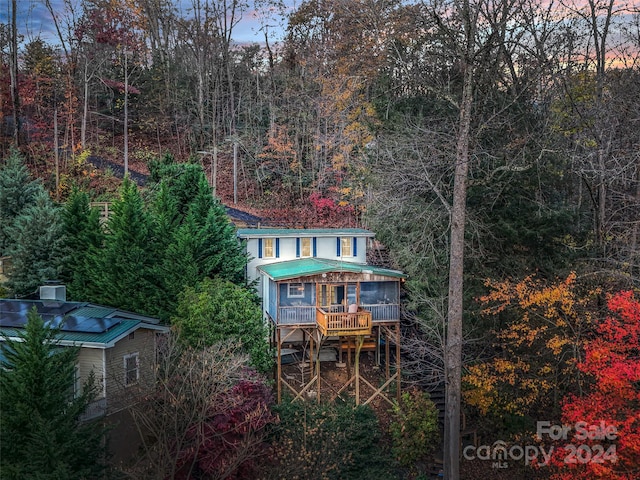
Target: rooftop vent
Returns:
[53, 291]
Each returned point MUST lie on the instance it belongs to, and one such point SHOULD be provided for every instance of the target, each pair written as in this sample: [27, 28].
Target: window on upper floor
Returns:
[347, 247]
[305, 247]
[269, 251]
[268, 247]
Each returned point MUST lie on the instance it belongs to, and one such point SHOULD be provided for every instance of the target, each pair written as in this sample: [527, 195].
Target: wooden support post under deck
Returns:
[359, 342]
[398, 372]
[318, 343]
[279, 365]
[386, 353]
[377, 353]
[348, 358]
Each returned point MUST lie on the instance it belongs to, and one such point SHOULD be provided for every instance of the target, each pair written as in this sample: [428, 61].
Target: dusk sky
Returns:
[34, 20]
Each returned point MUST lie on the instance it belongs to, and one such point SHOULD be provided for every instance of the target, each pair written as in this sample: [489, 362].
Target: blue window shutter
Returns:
[337, 246]
[355, 246]
[259, 248]
[277, 248]
[315, 247]
[297, 248]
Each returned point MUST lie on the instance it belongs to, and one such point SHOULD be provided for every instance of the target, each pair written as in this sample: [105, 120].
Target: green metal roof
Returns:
[316, 266]
[303, 232]
[100, 340]
[94, 311]
[91, 325]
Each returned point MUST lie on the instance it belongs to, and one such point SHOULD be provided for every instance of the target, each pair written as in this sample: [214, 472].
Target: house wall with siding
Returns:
[325, 248]
[91, 360]
[143, 343]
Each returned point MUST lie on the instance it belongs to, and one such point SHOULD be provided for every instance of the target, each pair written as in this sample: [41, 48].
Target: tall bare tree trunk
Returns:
[13, 71]
[85, 107]
[453, 348]
[126, 114]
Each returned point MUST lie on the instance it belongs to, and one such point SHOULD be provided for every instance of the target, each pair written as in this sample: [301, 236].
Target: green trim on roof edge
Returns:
[303, 232]
[316, 266]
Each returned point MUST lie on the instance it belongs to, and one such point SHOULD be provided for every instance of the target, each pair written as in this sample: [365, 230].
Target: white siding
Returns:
[325, 248]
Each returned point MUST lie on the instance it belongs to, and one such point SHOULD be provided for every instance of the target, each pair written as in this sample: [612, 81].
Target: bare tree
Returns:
[13, 70]
[198, 417]
[477, 59]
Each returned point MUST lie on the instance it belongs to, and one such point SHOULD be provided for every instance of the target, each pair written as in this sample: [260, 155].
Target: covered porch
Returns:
[319, 305]
[335, 296]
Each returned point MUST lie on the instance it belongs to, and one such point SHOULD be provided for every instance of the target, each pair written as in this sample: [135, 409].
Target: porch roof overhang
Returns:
[316, 266]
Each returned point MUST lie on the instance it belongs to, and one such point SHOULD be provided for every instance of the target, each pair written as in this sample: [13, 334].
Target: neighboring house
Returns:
[317, 291]
[119, 347]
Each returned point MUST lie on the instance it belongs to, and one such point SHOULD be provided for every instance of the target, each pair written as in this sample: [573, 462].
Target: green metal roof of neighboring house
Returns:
[98, 340]
[316, 266]
[80, 323]
[303, 232]
[94, 311]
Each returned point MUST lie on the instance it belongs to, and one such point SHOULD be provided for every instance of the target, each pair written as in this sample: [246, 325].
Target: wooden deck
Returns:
[342, 324]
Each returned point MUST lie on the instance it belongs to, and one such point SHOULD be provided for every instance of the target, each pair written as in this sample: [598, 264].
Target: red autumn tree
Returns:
[204, 416]
[613, 401]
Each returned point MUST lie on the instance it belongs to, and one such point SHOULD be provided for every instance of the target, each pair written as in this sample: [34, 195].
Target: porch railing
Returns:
[95, 409]
[333, 324]
[297, 315]
[383, 311]
[306, 315]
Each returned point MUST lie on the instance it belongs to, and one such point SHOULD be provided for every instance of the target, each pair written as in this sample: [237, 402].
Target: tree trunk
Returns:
[126, 114]
[453, 348]
[13, 71]
[85, 106]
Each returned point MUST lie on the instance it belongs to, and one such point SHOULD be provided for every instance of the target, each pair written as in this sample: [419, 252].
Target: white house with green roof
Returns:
[317, 289]
[273, 245]
[119, 347]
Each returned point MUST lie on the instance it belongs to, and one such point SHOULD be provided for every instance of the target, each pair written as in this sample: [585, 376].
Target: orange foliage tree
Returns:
[610, 410]
[538, 343]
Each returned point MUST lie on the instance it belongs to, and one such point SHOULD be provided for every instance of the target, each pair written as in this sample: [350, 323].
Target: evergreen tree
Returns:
[193, 236]
[181, 179]
[37, 250]
[222, 255]
[121, 272]
[17, 191]
[42, 435]
[83, 239]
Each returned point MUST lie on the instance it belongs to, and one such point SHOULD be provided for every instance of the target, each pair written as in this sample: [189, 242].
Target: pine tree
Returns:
[121, 274]
[17, 191]
[42, 435]
[37, 250]
[193, 236]
[82, 240]
[221, 253]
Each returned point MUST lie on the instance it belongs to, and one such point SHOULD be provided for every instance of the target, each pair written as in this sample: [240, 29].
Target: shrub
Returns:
[414, 430]
[327, 441]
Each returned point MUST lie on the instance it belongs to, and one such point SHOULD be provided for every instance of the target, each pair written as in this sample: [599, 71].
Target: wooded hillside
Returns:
[494, 142]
